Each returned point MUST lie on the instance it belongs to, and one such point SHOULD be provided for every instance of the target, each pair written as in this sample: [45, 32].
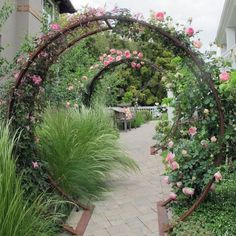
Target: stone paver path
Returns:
[130, 209]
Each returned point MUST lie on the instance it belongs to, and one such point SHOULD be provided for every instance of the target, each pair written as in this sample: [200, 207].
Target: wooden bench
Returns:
[125, 116]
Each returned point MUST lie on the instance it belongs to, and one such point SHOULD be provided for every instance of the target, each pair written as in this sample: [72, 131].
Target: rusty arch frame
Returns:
[97, 76]
[105, 19]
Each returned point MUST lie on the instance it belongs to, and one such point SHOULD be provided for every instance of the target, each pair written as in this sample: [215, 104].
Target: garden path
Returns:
[130, 209]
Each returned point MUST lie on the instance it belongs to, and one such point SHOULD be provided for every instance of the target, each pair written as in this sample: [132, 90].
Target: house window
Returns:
[48, 11]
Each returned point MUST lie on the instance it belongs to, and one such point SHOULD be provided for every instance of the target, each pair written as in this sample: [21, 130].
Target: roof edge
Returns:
[224, 19]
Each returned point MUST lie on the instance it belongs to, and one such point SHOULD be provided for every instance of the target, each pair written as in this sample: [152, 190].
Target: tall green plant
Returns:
[81, 149]
[18, 217]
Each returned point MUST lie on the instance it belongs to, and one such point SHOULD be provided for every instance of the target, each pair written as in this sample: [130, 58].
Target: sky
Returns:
[205, 13]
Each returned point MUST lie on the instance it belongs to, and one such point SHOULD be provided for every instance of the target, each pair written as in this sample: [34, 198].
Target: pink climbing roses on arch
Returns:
[127, 54]
[117, 55]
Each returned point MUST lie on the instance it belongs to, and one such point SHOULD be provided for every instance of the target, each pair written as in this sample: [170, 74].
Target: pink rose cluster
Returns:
[118, 55]
[170, 159]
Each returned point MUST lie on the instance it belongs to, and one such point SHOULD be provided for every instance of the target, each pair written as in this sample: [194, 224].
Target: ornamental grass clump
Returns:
[19, 217]
[82, 150]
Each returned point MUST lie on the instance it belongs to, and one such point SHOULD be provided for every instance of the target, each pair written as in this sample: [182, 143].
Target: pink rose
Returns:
[67, 104]
[170, 157]
[119, 52]
[197, 44]
[166, 180]
[104, 55]
[192, 131]
[138, 66]
[224, 76]
[159, 16]
[110, 58]
[55, 27]
[173, 196]
[218, 176]
[213, 139]
[142, 62]
[188, 191]
[118, 58]
[135, 53]
[174, 165]
[133, 64]
[35, 164]
[113, 51]
[179, 184]
[127, 54]
[189, 31]
[36, 79]
[171, 144]
[140, 55]
[106, 63]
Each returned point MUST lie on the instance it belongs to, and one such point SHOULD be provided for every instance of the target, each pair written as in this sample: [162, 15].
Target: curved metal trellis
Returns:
[104, 20]
[103, 70]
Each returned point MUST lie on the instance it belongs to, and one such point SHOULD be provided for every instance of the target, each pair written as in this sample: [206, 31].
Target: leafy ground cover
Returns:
[217, 215]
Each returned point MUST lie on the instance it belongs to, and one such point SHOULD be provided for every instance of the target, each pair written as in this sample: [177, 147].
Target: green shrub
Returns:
[81, 149]
[147, 115]
[138, 121]
[18, 217]
[141, 117]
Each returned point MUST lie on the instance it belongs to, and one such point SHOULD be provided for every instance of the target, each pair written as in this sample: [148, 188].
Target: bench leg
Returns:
[125, 126]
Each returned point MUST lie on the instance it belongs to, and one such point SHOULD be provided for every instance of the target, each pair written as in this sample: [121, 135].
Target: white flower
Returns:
[184, 152]
[206, 111]
[213, 139]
